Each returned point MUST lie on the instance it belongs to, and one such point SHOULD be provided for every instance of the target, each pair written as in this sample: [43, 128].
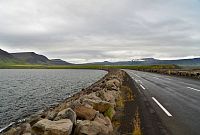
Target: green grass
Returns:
[110, 113]
[28, 66]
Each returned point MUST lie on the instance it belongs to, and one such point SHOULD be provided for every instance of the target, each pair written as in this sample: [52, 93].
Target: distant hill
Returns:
[5, 55]
[180, 62]
[59, 62]
[152, 61]
[31, 58]
[183, 62]
[28, 58]
[7, 58]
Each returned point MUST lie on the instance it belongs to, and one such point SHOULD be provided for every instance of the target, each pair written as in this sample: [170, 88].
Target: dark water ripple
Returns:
[26, 91]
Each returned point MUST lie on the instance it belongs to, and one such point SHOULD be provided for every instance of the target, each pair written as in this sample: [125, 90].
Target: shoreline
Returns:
[104, 85]
[110, 106]
[23, 96]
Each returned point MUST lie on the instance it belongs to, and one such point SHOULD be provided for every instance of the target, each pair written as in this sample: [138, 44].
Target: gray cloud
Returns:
[93, 30]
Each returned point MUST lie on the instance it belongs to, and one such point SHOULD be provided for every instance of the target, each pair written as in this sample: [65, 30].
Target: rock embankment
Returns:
[89, 112]
[177, 72]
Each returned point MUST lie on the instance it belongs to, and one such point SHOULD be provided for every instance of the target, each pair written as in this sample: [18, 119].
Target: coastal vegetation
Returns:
[162, 69]
[30, 66]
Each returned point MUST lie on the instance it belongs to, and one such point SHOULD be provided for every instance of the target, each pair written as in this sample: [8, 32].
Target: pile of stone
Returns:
[89, 112]
[176, 72]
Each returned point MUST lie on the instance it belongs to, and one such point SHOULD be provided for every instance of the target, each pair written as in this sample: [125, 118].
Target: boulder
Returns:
[90, 96]
[67, 114]
[87, 105]
[96, 89]
[26, 134]
[102, 106]
[26, 128]
[87, 127]
[99, 105]
[47, 127]
[105, 121]
[51, 115]
[85, 113]
[75, 103]
[33, 119]
[115, 96]
[113, 84]
[12, 131]
[108, 95]
[102, 85]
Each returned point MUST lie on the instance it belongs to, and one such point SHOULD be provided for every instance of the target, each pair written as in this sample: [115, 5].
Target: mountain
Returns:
[6, 58]
[5, 55]
[100, 63]
[33, 58]
[59, 62]
[152, 61]
[183, 62]
[28, 58]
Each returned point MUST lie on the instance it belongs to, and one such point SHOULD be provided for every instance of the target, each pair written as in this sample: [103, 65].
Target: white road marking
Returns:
[142, 86]
[168, 79]
[184, 83]
[137, 75]
[156, 78]
[139, 81]
[193, 88]
[165, 110]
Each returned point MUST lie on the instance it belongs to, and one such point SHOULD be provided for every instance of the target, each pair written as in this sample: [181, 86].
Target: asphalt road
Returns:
[176, 100]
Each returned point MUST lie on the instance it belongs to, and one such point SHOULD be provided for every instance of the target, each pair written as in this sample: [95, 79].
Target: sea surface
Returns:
[26, 91]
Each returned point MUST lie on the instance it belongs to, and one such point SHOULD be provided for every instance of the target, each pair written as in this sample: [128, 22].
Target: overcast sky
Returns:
[97, 30]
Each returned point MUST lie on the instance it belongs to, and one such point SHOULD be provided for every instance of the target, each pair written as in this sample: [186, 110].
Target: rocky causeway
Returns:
[90, 112]
[111, 106]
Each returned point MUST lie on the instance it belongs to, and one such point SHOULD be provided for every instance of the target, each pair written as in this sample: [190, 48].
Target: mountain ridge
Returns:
[153, 61]
[7, 58]
[28, 58]
[34, 58]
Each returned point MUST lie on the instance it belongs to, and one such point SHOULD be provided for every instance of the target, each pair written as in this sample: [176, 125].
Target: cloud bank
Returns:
[97, 30]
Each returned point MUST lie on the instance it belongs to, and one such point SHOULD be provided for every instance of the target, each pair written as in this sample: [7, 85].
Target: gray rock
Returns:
[12, 131]
[99, 105]
[67, 114]
[47, 127]
[113, 84]
[108, 95]
[26, 127]
[33, 119]
[87, 127]
[85, 113]
[75, 103]
[90, 96]
[105, 121]
[51, 115]
[26, 134]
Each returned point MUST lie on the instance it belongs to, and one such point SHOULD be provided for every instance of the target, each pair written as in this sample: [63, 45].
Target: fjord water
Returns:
[26, 91]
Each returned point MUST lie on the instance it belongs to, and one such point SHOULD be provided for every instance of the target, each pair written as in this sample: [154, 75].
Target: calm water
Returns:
[24, 91]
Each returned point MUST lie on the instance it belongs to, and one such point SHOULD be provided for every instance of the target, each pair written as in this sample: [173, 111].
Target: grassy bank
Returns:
[86, 67]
